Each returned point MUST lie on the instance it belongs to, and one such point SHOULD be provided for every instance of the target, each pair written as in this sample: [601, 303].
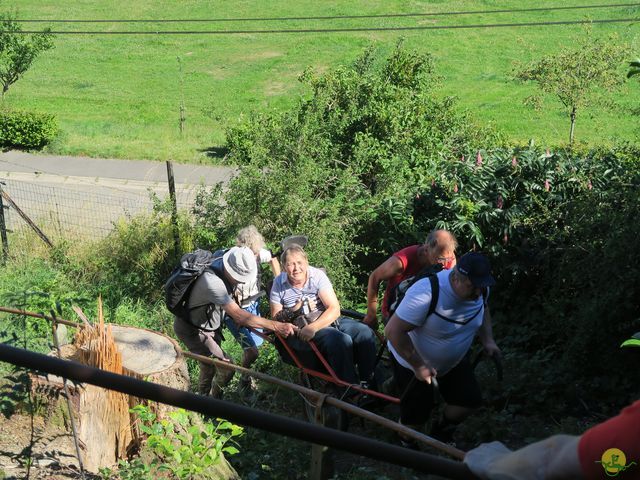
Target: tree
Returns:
[574, 75]
[18, 50]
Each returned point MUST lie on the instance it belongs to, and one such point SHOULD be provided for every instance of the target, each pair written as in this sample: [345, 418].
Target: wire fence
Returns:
[82, 210]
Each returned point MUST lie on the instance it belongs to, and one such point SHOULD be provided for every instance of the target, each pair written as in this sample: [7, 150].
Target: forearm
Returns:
[485, 333]
[404, 347]
[275, 267]
[329, 316]
[259, 322]
[245, 319]
[372, 294]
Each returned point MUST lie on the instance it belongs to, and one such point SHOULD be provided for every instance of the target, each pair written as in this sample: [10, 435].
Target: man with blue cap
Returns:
[428, 346]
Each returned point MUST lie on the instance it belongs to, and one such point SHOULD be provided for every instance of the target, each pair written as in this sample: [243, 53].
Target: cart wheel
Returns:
[331, 417]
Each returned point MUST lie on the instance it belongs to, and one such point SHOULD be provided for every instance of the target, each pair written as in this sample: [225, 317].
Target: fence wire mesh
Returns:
[83, 210]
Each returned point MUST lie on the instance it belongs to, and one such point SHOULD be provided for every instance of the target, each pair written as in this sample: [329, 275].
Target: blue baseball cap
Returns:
[477, 268]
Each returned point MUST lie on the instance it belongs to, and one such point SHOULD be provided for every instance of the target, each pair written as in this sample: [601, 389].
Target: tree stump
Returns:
[106, 429]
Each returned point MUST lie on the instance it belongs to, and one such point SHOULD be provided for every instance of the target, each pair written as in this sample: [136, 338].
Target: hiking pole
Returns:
[413, 382]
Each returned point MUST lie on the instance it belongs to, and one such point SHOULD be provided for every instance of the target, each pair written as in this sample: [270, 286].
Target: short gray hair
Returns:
[250, 237]
[293, 248]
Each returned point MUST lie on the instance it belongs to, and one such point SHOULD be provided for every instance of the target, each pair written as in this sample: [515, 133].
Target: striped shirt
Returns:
[283, 293]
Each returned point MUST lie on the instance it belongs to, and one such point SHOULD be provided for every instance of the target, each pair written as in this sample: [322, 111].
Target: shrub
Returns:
[328, 167]
[134, 260]
[27, 130]
[181, 446]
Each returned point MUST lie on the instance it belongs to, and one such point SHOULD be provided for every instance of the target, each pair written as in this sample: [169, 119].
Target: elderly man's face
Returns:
[464, 288]
[296, 267]
[446, 257]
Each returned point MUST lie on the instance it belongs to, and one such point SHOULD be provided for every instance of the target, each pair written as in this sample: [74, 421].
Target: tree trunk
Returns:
[106, 429]
[573, 124]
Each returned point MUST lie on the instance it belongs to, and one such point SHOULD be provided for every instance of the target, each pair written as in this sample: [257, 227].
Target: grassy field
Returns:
[119, 95]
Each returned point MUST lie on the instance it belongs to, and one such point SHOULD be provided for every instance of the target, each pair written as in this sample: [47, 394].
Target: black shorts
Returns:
[458, 387]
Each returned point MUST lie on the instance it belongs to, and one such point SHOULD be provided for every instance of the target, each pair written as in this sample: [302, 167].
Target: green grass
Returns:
[119, 96]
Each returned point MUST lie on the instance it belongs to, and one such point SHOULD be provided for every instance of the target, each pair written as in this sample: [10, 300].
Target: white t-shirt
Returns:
[445, 337]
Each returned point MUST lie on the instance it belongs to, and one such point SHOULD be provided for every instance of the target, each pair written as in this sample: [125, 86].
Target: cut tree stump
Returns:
[106, 429]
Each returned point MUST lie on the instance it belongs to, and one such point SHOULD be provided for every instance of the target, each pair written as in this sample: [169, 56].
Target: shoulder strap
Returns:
[435, 293]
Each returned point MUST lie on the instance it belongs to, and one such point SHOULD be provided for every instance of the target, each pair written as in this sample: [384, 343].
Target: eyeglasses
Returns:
[447, 262]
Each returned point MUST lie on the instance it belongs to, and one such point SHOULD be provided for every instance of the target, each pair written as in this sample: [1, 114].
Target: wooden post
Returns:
[182, 109]
[174, 208]
[321, 466]
[3, 230]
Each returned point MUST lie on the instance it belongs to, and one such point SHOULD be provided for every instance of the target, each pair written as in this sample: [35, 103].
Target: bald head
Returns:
[440, 247]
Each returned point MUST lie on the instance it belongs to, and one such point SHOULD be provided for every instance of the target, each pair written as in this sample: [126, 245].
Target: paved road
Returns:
[89, 193]
[25, 165]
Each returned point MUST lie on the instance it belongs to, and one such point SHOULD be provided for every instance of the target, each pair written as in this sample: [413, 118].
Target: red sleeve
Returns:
[409, 258]
[621, 432]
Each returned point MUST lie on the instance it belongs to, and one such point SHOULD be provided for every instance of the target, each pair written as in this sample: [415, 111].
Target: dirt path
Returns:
[53, 451]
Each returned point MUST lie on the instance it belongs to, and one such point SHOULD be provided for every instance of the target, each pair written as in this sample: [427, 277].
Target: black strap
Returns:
[435, 294]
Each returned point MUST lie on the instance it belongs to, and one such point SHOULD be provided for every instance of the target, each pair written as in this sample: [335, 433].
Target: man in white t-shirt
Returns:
[437, 346]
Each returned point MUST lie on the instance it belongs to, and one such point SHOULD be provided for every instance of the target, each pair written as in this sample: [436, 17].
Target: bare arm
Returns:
[486, 334]
[554, 458]
[245, 319]
[397, 332]
[275, 266]
[332, 312]
[390, 268]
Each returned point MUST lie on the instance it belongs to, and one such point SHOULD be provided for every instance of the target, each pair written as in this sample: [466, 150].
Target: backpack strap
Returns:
[435, 294]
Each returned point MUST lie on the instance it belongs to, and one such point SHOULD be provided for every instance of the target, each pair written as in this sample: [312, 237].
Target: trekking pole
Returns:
[412, 383]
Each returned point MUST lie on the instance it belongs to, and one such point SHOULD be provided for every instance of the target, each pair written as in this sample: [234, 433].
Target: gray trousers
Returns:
[202, 343]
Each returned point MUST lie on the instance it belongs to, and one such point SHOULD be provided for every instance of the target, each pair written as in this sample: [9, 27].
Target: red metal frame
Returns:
[331, 376]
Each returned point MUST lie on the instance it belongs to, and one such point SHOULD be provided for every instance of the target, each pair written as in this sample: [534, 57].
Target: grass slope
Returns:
[119, 95]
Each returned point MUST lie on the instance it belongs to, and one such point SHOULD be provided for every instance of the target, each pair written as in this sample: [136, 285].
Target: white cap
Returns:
[240, 263]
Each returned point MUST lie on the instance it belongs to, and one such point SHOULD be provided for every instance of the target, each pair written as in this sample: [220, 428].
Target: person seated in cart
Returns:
[304, 294]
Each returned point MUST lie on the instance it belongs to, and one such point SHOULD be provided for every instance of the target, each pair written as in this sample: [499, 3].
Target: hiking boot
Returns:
[221, 380]
[248, 384]
[249, 356]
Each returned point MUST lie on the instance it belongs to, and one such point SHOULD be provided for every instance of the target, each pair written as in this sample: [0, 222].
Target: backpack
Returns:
[179, 284]
[401, 288]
